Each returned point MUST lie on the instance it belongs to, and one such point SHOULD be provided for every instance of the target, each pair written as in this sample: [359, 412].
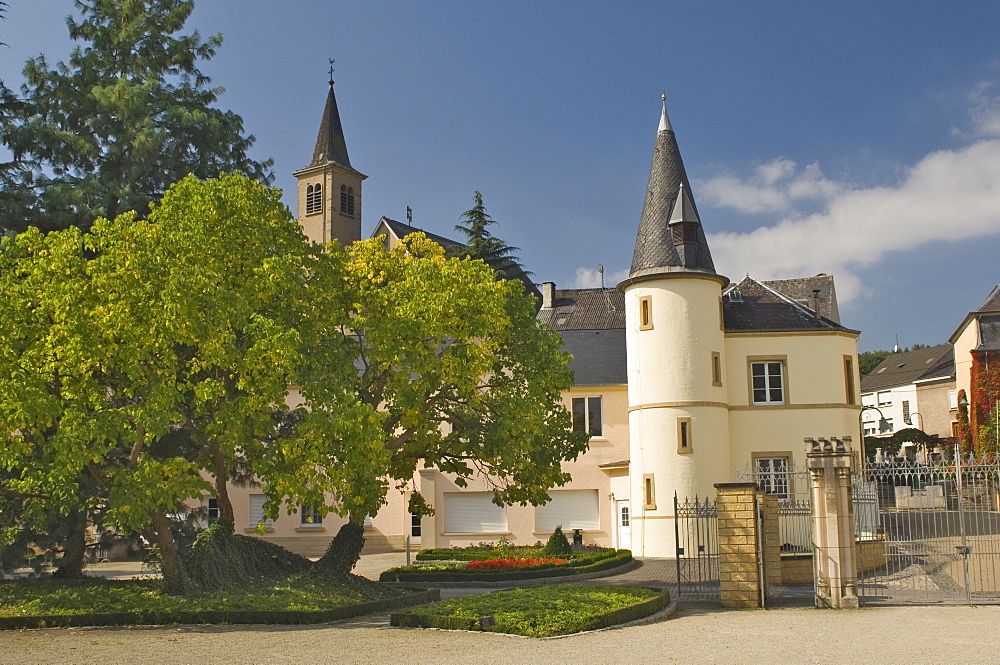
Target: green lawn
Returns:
[94, 595]
[541, 611]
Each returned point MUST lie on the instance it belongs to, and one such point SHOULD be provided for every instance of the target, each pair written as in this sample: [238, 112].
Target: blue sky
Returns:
[856, 138]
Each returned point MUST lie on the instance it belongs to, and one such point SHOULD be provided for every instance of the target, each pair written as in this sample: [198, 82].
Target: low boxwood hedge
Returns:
[155, 618]
[578, 566]
[519, 623]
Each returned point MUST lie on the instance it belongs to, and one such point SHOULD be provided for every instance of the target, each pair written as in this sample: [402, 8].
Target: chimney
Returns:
[548, 294]
[816, 302]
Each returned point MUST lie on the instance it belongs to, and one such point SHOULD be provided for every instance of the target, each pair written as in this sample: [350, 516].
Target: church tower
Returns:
[329, 188]
[678, 411]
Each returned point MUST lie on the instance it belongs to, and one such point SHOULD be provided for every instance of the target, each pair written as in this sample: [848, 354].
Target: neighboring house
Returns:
[912, 389]
[977, 361]
[681, 377]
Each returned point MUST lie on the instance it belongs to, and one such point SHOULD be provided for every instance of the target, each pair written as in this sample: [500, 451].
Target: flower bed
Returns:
[506, 564]
[588, 562]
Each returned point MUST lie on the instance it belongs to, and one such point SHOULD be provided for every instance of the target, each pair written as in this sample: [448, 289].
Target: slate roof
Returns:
[330, 143]
[989, 333]
[598, 356]
[991, 306]
[801, 291]
[654, 248]
[900, 369]
[760, 306]
[585, 309]
[992, 303]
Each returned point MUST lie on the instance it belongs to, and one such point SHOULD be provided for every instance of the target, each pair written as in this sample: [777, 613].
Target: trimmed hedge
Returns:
[580, 566]
[220, 616]
[607, 619]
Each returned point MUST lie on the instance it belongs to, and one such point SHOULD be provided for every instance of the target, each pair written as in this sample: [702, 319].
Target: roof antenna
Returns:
[600, 271]
[409, 216]
[896, 348]
[331, 71]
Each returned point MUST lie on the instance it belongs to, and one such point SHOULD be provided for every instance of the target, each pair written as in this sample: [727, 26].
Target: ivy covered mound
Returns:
[229, 578]
[489, 562]
[544, 611]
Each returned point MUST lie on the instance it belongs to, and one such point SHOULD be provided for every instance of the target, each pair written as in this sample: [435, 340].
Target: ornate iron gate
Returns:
[933, 534]
[696, 533]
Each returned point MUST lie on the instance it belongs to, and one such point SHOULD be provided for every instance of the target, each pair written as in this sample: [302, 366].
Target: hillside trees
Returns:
[150, 357]
[128, 114]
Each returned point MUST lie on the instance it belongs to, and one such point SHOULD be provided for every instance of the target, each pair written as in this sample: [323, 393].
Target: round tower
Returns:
[678, 410]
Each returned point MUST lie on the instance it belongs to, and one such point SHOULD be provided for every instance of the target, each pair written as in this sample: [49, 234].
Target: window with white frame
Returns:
[885, 398]
[573, 509]
[309, 516]
[772, 476]
[414, 525]
[767, 380]
[257, 511]
[587, 415]
[473, 512]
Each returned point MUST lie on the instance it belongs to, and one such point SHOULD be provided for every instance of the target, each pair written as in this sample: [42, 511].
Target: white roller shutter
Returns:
[257, 510]
[473, 512]
[573, 509]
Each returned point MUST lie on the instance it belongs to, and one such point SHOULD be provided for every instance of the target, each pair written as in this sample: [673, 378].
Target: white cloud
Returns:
[775, 186]
[948, 195]
[984, 112]
[589, 278]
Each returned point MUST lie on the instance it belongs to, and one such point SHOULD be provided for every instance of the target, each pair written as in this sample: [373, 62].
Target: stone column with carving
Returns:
[739, 574]
[834, 545]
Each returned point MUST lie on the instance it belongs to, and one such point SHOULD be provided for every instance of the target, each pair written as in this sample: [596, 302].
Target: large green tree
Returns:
[128, 114]
[480, 243]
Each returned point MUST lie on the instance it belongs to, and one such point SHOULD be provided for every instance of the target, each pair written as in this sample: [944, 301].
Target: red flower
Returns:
[503, 564]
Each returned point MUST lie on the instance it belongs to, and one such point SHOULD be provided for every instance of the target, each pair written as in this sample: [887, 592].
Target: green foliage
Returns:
[220, 559]
[869, 360]
[583, 563]
[481, 244]
[100, 602]
[558, 545]
[343, 552]
[418, 506]
[540, 611]
[129, 113]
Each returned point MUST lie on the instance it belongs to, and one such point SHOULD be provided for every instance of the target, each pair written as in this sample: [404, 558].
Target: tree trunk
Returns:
[173, 576]
[74, 543]
[221, 471]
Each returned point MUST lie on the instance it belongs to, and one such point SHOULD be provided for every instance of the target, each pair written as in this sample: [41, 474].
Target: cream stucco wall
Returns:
[966, 340]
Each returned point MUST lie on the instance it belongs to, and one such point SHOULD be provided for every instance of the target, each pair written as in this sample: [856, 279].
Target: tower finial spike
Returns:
[664, 120]
[331, 70]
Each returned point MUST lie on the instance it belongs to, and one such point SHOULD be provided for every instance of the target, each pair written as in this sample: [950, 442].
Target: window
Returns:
[473, 512]
[952, 399]
[587, 415]
[257, 511]
[623, 519]
[309, 516]
[906, 412]
[684, 233]
[314, 198]
[414, 525]
[767, 381]
[645, 313]
[347, 200]
[648, 492]
[684, 436]
[849, 379]
[772, 476]
[885, 398]
[573, 509]
[213, 510]
[716, 368]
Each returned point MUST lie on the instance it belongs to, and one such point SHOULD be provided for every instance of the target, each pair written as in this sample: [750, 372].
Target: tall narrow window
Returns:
[587, 415]
[906, 412]
[414, 525]
[684, 436]
[645, 313]
[767, 381]
[343, 199]
[716, 368]
[314, 198]
[849, 379]
[350, 201]
[648, 492]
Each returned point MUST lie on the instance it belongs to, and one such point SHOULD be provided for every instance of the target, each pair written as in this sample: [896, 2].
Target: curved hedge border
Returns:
[579, 567]
[420, 597]
[593, 622]
[468, 554]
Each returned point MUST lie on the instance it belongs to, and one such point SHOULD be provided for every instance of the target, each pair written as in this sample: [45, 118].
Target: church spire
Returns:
[330, 143]
[670, 236]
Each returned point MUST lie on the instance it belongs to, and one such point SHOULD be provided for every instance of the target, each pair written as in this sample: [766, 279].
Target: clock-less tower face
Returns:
[329, 188]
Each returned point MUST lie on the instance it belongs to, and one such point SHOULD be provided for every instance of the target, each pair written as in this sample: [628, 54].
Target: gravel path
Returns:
[906, 635]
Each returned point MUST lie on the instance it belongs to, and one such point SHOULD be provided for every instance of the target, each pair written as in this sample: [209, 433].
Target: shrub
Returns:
[343, 553]
[558, 545]
[221, 559]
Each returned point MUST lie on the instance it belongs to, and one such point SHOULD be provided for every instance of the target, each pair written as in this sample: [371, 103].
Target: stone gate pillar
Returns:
[835, 548]
[739, 573]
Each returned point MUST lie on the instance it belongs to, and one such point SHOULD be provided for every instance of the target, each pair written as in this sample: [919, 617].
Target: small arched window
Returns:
[314, 198]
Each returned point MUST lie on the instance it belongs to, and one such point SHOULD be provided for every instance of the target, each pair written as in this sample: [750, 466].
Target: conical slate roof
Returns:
[330, 143]
[654, 246]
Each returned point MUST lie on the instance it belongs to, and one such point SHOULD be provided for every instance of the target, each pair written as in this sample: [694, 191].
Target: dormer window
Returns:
[314, 198]
[347, 200]
[684, 233]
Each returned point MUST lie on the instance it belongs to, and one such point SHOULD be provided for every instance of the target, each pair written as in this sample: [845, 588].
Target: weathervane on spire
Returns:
[331, 71]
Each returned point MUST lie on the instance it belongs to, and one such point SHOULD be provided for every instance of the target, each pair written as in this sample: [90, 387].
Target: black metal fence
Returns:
[696, 530]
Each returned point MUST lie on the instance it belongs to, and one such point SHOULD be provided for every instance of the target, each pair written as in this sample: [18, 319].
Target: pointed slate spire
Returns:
[330, 143]
[658, 246]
